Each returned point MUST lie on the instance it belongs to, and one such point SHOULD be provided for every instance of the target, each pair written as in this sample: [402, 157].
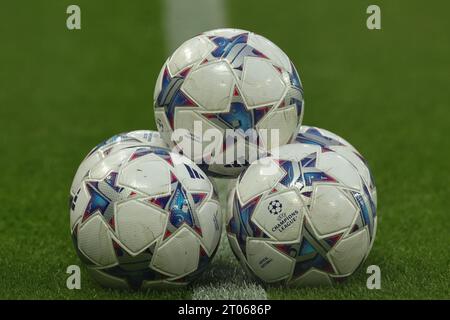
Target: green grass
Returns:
[386, 91]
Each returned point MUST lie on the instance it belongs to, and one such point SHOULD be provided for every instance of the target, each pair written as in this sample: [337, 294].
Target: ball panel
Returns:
[136, 174]
[178, 255]
[340, 169]
[94, 241]
[268, 263]
[261, 83]
[113, 161]
[138, 225]
[287, 116]
[191, 140]
[348, 254]
[355, 158]
[331, 210]
[210, 86]
[234, 245]
[192, 51]
[271, 50]
[210, 219]
[260, 177]
[361, 165]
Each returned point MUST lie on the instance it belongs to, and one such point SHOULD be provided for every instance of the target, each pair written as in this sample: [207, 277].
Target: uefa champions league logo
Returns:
[275, 207]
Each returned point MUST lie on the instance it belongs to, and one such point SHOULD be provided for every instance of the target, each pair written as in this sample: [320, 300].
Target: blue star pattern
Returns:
[289, 177]
[111, 180]
[295, 79]
[304, 174]
[239, 116]
[103, 195]
[180, 209]
[224, 45]
[171, 95]
[97, 203]
[234, 49]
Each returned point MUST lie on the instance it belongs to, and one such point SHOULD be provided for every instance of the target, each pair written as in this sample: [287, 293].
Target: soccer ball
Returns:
[331, 141]
[111, 145]
[230, 82]
[305, 217]
[145, 217]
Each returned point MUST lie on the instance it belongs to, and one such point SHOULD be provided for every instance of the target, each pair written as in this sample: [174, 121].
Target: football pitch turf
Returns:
[386, 91]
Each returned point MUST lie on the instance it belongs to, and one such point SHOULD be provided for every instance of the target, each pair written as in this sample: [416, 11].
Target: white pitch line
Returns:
[225, 279]
[185, 19]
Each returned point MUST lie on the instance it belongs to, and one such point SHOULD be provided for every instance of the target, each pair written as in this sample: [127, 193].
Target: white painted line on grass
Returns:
[185, 19]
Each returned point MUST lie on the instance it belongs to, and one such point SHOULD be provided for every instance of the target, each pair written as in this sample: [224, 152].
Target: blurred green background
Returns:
[386, 91]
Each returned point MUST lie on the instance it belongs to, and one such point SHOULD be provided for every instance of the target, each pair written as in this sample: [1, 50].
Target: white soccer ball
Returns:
[145, 217]
[233, 82]
[305, 217]
[329, 140]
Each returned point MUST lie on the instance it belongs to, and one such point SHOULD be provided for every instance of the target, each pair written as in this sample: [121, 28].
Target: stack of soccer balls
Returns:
[228, 103]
